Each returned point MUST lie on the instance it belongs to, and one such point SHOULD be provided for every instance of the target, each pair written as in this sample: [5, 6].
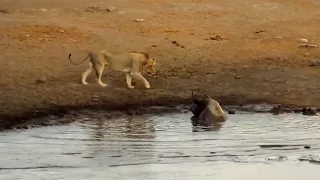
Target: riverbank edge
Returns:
[170, 104]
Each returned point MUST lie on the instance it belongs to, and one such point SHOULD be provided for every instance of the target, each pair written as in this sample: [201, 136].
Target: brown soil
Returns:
[237, 51]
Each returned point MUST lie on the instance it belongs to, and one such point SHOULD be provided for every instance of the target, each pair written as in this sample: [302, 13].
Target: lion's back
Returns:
[123, 62]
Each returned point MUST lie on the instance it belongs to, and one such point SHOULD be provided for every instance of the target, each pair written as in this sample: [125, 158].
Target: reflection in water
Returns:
[133, 127]
[214, 126]
[164, 147]
[123, 130]
[98, 130]
[139, 127]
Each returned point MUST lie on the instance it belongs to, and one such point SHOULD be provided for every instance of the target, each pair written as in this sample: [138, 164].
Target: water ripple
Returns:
[145, 141]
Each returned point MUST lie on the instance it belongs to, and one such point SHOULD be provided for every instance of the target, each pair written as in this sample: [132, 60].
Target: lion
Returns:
[132, 63]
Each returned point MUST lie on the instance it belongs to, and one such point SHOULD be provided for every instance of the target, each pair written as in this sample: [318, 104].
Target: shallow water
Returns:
[165, 147]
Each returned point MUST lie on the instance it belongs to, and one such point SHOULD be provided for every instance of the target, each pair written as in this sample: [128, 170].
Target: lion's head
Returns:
[149, 66]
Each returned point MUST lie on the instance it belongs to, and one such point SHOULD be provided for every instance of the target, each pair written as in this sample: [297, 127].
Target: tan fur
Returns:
[212, 112]
[132, 63]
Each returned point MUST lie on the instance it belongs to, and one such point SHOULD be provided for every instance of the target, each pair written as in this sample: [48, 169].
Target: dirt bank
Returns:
[237, 51]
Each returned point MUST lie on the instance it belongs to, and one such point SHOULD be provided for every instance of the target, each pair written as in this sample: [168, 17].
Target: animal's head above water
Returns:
[199, 104]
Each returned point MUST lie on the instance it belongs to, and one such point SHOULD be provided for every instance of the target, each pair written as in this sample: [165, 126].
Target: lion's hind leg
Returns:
[86, 73]
[99, 70]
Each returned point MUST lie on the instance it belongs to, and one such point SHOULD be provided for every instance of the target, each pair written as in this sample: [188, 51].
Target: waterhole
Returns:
[246, 146]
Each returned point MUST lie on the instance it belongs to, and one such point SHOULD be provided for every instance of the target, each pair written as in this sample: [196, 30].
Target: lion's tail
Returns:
[78, 63]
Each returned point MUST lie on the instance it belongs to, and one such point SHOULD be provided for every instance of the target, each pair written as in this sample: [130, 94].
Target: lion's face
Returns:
[149, 66]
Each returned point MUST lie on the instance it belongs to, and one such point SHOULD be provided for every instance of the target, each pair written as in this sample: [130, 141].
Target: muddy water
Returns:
[165, 147]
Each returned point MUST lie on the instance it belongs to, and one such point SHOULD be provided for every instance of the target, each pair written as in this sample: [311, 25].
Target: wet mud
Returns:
[66, 115]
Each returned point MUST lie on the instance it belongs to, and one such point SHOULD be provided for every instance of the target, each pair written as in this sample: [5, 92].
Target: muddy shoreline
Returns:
[236, 55]
[41, 116]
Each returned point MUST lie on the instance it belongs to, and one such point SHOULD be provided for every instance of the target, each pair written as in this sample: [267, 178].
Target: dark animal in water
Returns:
[207, 111]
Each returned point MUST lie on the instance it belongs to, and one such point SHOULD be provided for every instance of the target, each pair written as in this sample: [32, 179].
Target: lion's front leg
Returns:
[141, 78]
[129, 80]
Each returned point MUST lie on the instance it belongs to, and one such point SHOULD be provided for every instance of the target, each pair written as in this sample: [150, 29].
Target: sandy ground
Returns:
[237, 51]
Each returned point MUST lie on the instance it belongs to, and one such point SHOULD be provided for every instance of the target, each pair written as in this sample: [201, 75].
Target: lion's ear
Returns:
[146, 55]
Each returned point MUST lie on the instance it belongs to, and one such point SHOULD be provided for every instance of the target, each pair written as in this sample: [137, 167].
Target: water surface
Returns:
[165, 147]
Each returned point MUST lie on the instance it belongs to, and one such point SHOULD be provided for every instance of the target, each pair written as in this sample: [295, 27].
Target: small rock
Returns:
[43, 9]
[314, 62]
[139, 20]
[303, 41]
[43, 79]
[309, 111]
[131, 112]
[178, 44]
[154, 46]
[52, 117]
[259, 31]
[216, 38]
[277, 110]
[277, 37]
[306, 54]
[266, 93]
[121, 12]
[231, 111]
[43, 124]
[27, 35]
[297, 110]
[22, 127]
[238, 77]
[185, 111]
[95, 98]
[307, 45]
[62, 31]
[111, 8]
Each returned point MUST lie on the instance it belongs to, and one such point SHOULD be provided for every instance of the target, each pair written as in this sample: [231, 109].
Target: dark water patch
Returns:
[285, 149]
[70, 154]
[280, 145]
[38, 167]
[177, 156]
[130, 164]
[88, 157]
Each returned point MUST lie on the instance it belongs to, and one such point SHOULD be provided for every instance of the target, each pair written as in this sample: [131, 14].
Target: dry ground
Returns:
[237, 51]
